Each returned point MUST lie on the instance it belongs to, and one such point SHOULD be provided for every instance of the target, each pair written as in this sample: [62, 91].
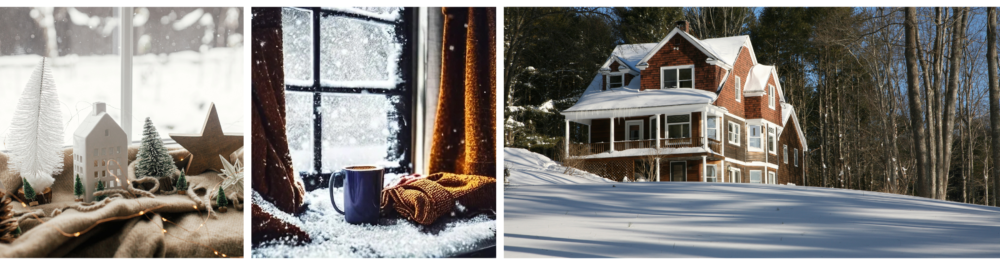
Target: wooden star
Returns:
[206, 147]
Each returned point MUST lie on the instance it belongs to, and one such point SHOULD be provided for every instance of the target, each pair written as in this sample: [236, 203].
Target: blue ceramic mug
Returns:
[362, 194]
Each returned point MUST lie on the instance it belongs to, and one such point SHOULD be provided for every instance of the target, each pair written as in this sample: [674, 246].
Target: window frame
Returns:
[771, 177]
[677, 71]
[785, 153]
[666, 125]
[738, 178]
[607, 79]
[708, 123]
[408, 29]
[738, 89]
[734, 137]
[772, 141]
[760, 143]
[628, 136]
[760, 175]
[796, 157]
[715, 173]
[770, 96]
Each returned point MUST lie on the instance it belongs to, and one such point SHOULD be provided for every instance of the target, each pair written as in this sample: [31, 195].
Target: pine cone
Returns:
[8, 224]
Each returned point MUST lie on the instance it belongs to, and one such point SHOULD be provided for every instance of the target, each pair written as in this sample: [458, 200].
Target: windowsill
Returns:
[168, 142]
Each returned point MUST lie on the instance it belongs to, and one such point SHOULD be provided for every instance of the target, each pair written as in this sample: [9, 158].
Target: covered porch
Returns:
[691, 129]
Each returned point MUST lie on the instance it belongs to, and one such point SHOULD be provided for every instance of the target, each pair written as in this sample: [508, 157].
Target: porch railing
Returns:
[625, 145]
[581, 149]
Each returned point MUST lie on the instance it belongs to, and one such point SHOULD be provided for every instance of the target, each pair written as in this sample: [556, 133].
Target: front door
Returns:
[678, 171]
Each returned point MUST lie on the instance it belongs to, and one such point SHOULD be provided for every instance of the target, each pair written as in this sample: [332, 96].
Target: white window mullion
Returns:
[125, 43]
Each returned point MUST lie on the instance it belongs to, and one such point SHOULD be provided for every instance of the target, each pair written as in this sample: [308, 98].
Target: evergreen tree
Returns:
[153, 158]
[78, 187]
[221, 199]
[29, 192]
[182, 183]
[100, 187]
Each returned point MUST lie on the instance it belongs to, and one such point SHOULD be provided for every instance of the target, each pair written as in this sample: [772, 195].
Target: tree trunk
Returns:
[991, 59]
[913, 91]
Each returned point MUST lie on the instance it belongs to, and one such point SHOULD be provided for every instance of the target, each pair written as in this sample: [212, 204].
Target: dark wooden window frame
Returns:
[407, 31]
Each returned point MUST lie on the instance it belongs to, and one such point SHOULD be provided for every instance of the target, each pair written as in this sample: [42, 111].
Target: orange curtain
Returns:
[465, 127]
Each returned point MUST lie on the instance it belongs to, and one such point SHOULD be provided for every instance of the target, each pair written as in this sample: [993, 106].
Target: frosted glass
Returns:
[299, 128]
[357, 130]
[297, 43]
[357, 53]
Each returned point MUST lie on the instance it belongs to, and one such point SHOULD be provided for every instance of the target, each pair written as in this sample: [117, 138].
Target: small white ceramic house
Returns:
[97, 142]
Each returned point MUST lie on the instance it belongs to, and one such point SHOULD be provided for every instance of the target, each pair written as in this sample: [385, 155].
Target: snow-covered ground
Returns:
[392, 237]
[739, 220]
[528, 168]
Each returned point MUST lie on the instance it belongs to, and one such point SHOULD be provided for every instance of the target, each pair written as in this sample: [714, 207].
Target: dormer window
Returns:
[681, 76]
[739, 94]
[615, 81]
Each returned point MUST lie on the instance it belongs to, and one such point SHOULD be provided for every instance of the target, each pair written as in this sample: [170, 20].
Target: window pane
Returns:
[356, 130]
[755, 176]
[184, 60]
[685, 74]
[678, 118]
[384, 13]
[675, 131]
[616, 81]
[83, 57]
[300, 129]
[686, 84]
[670, 78]
[296, 38]
[686, 130]
[358, 53]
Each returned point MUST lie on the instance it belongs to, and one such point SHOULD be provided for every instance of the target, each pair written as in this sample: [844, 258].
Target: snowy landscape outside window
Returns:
[348, 81]
[84, 58]
[183, 60]
[677, 76]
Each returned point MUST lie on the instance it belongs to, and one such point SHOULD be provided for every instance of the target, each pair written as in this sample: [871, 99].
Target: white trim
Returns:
[771, 178]
[752, 164]
[729, 173]
[736, 117]
[678, 67]
[772, 135]
[770, 96]
[606, 67]
[607, 80]
[729, 131]
[125, 42]
[628, 135]
[718, 123]
[760, 136]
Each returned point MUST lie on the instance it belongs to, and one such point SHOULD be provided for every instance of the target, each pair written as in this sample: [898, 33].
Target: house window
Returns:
[735, 175]
[350, 85]
[754, 135]
[634, 129]
[755, 176]
[95, 174]
[770, 96]
[713, 127]
[734, 133]
[770, 177]
[677, 76]
[615, 81]
[738, 90]
[710, 175]
[796, 157]
[678, 126]
[784, 154]
[772, 145]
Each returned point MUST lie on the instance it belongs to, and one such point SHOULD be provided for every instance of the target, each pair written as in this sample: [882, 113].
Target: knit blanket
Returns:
[167, 225]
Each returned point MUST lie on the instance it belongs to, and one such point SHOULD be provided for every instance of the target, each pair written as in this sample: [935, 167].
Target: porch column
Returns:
[704, 168]
[611, 141]
[704, 128]
[567, 139]
[658, 131]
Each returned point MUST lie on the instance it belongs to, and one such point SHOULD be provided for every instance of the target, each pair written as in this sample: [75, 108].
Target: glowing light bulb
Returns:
[164, 219]
[164, 231]
[216, 253]
[223, 255]
[142, 212]
[77, 234]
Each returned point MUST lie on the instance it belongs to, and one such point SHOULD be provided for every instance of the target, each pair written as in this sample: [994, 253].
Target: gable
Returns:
[714, 58]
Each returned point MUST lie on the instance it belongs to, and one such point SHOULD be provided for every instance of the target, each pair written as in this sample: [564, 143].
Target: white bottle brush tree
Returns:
[153, 158]
[35, 138]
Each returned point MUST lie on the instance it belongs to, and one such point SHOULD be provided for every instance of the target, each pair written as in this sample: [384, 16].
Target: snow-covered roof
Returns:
[90, 123]
[630, 97]
[787, 111]
[727, 48]
[629, 54]
[757, 78]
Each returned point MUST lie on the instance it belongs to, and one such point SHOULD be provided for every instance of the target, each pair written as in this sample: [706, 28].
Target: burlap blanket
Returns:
[189, 231]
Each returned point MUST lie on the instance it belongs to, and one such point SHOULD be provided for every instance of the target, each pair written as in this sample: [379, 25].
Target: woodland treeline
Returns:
[891, 99]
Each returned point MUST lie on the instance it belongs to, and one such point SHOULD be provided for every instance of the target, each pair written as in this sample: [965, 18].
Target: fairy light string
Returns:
[145, 212]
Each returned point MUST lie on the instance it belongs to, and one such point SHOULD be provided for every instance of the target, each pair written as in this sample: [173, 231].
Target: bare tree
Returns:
[991, 62]
[916, 109]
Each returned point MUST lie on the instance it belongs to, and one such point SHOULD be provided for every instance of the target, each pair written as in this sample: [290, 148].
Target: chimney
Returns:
[684, 26]
[99, 108]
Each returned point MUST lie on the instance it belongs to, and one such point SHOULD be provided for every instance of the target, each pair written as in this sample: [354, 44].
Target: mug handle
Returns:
[333, 183]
